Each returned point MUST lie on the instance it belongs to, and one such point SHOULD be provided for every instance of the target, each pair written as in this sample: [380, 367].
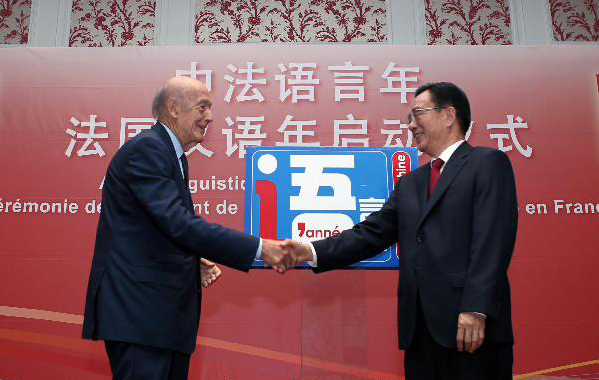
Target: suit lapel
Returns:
[183, 188]
[422, 186]
[452, 168]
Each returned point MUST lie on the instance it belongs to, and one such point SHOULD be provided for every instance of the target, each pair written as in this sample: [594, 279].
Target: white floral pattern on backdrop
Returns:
[468, 22]
[575, 20]
[112, 22]
[14, 21]
[291, 21]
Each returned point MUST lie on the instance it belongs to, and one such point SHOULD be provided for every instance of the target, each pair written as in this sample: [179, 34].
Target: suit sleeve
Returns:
[495, 221]
[364, 240]
[149, 175]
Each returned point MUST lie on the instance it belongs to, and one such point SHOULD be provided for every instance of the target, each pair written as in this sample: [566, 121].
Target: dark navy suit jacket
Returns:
[144, 281]
[455, 247]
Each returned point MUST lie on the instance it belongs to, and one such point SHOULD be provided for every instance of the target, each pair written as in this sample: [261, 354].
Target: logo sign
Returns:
[311, 193]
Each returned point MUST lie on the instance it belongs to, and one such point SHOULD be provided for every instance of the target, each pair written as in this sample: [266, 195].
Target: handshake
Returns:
[280, 255]
[284, 255]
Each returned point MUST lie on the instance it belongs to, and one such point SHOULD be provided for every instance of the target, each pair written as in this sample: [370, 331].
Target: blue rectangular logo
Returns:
[310, 193]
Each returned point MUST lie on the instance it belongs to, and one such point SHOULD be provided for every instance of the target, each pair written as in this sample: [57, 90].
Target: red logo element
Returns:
[401, 165]
[267, 191]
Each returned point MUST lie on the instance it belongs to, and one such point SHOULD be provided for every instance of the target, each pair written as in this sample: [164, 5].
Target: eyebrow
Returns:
[205, 102]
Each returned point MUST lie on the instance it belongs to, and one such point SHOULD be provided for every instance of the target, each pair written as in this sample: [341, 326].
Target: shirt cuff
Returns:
[314, 262]
[259, 250]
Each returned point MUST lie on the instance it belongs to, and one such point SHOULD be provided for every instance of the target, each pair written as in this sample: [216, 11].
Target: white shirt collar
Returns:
[448, 152]
[174, 140]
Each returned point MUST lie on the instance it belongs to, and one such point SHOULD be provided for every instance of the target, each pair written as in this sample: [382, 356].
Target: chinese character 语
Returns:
[193, 73]
[250, 134]
[298, 132]
[349, 81]
[313, 178]
[345, 141]
[511, 126]
[247, 83]
[89, 137]
[302, 83]
[403, 80]
[132, 126]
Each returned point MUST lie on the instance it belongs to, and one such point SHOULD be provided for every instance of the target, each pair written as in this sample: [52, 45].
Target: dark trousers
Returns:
[130, 361]
[426, 359]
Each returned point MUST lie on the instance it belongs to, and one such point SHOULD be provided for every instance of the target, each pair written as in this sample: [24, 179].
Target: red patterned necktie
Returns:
[436, 166]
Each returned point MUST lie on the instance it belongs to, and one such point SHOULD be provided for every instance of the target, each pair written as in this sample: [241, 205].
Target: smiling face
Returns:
[194, 116]
[433, 127]
[188, 110]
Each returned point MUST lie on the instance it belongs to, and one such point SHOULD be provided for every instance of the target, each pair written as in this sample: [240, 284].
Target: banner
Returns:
[64, 112]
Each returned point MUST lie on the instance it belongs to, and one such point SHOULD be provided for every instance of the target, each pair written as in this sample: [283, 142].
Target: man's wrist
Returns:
[311, 253]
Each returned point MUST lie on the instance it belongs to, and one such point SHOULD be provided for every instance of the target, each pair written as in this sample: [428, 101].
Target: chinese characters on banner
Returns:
[297, 83]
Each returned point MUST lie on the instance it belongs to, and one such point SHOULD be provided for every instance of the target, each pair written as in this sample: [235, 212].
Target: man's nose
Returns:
[411, 124]
[208, 116]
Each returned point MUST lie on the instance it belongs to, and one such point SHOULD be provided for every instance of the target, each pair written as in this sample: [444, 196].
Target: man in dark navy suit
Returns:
[455, 220]
[143, 296]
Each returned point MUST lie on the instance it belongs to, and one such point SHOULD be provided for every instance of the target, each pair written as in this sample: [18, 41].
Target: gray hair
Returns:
[175, 90]
[159, 102]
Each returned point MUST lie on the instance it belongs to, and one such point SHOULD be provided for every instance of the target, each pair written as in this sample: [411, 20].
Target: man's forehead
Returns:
[201, 95]
[423, 99]
[204, 91]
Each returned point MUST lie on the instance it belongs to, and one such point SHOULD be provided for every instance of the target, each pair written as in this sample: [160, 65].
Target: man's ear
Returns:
[172, 107]
[450, 116]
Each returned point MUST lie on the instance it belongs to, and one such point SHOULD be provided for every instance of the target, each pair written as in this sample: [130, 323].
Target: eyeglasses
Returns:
[418, 111]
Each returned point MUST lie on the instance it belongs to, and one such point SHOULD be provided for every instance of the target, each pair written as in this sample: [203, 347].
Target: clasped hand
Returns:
[284, 255]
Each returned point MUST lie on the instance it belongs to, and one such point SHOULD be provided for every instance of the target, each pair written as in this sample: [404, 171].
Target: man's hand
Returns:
[209, 272]
[276, 256]
[471, 331]
[301, 251]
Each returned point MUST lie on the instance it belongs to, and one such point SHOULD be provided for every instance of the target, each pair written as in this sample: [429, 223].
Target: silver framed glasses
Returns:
[419, 111]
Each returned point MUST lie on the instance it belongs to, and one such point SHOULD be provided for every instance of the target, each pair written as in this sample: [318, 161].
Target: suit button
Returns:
[419, 239]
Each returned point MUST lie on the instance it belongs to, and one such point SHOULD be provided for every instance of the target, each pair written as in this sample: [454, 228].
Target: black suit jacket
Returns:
[455, 247]
[144, 281]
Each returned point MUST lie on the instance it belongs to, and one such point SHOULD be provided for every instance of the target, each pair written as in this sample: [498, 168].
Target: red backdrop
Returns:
[338, 325]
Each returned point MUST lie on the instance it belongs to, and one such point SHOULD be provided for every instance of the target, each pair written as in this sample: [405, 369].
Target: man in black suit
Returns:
[143, 296]
[455, 221]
